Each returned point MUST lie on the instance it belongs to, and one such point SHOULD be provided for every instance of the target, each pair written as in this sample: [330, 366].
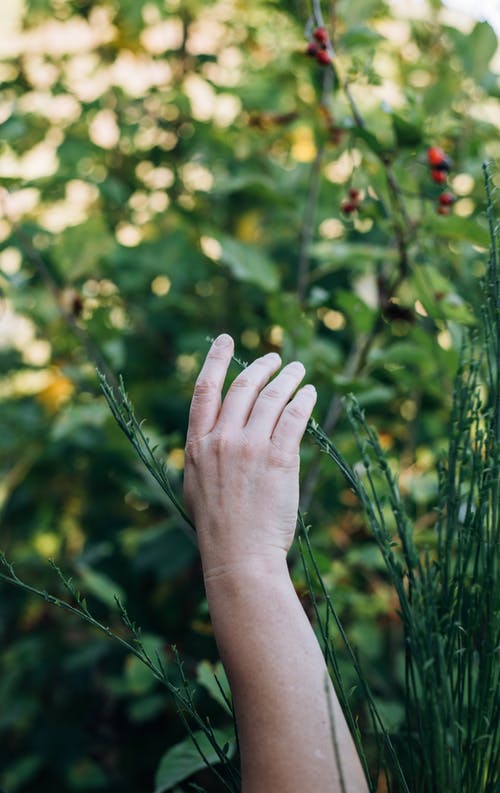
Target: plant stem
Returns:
[307, 230]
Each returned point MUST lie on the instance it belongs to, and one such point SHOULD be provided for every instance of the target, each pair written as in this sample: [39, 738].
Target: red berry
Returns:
[438, 176]
[354, 194]
[312, 49]
[323, 58]
[348, 207]
[442, 210]
[446, 199]
[321, 36]
[444, 165]
[435, 156]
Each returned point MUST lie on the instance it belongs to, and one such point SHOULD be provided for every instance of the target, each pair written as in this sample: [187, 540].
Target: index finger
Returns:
[206, 402]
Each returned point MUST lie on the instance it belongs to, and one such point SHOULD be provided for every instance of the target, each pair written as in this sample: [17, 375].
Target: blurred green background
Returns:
[169, 170]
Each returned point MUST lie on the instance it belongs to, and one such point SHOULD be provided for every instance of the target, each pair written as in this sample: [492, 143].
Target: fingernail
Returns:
[310, 389]
[296, 365]
[223, 340]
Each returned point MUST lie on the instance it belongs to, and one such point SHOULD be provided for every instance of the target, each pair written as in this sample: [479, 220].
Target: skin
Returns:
[242, 488]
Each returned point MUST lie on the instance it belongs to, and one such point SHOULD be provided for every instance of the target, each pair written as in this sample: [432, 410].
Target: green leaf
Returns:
[359, 314]
[334, 255]
[167, 552]
[22, 771]
[248, 263]
[407, 132]
[360, 36]
[138, 676]
[101, 586]
[478, 49]
[86, 775]
[369, 138]
[438, 296]
[377, 395]
[460, 229]
[206, 674]
[351, 11]
[407, 353]
[257, 185]
[146, 708]
[183, 759]
[452, 307]
[74, 423]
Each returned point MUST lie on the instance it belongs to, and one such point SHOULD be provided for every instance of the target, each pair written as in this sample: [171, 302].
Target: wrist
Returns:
[246, 569]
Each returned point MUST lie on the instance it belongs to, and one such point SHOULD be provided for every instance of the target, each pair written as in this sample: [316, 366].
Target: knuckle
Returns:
[271, 392]
[204, 386]
[242, 381]
[249, 447]
[297, 411]
[222, 442]
[278, 458]
[219, 352]
[227, 443]
[190, 454]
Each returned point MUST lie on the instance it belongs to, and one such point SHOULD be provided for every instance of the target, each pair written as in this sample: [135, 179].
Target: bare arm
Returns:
[241, 485]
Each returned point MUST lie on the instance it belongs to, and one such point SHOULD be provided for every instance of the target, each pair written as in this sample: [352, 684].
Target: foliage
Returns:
[156, 180]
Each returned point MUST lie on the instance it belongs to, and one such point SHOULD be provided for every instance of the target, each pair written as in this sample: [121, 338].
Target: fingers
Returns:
[272, 400]
[241, 397]
[264, 409]
[292, 423]
[206, 402]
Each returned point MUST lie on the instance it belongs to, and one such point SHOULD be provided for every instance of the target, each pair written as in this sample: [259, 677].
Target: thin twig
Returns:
[307, 230]
[353, 367]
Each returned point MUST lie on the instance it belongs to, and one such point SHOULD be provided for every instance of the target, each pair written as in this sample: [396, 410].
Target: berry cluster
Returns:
[318, 47]
[439, 164]
[352, 203]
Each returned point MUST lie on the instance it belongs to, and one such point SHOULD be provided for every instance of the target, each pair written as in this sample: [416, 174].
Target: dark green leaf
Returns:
[206, 674]
[183, 759]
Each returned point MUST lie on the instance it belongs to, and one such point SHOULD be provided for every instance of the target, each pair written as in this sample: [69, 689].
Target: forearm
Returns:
[242, 487]
[280, 685]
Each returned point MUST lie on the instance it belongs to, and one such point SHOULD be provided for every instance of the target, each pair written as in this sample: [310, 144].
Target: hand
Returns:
[241, 481]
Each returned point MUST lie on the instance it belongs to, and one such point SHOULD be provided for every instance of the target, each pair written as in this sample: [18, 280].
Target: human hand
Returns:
[241, 478]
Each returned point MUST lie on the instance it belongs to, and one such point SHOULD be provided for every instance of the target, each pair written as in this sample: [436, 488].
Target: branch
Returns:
[307, 230]
[184, 701]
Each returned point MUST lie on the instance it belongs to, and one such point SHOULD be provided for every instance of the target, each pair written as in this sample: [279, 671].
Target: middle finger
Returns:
[273, 399]
[243, 392]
